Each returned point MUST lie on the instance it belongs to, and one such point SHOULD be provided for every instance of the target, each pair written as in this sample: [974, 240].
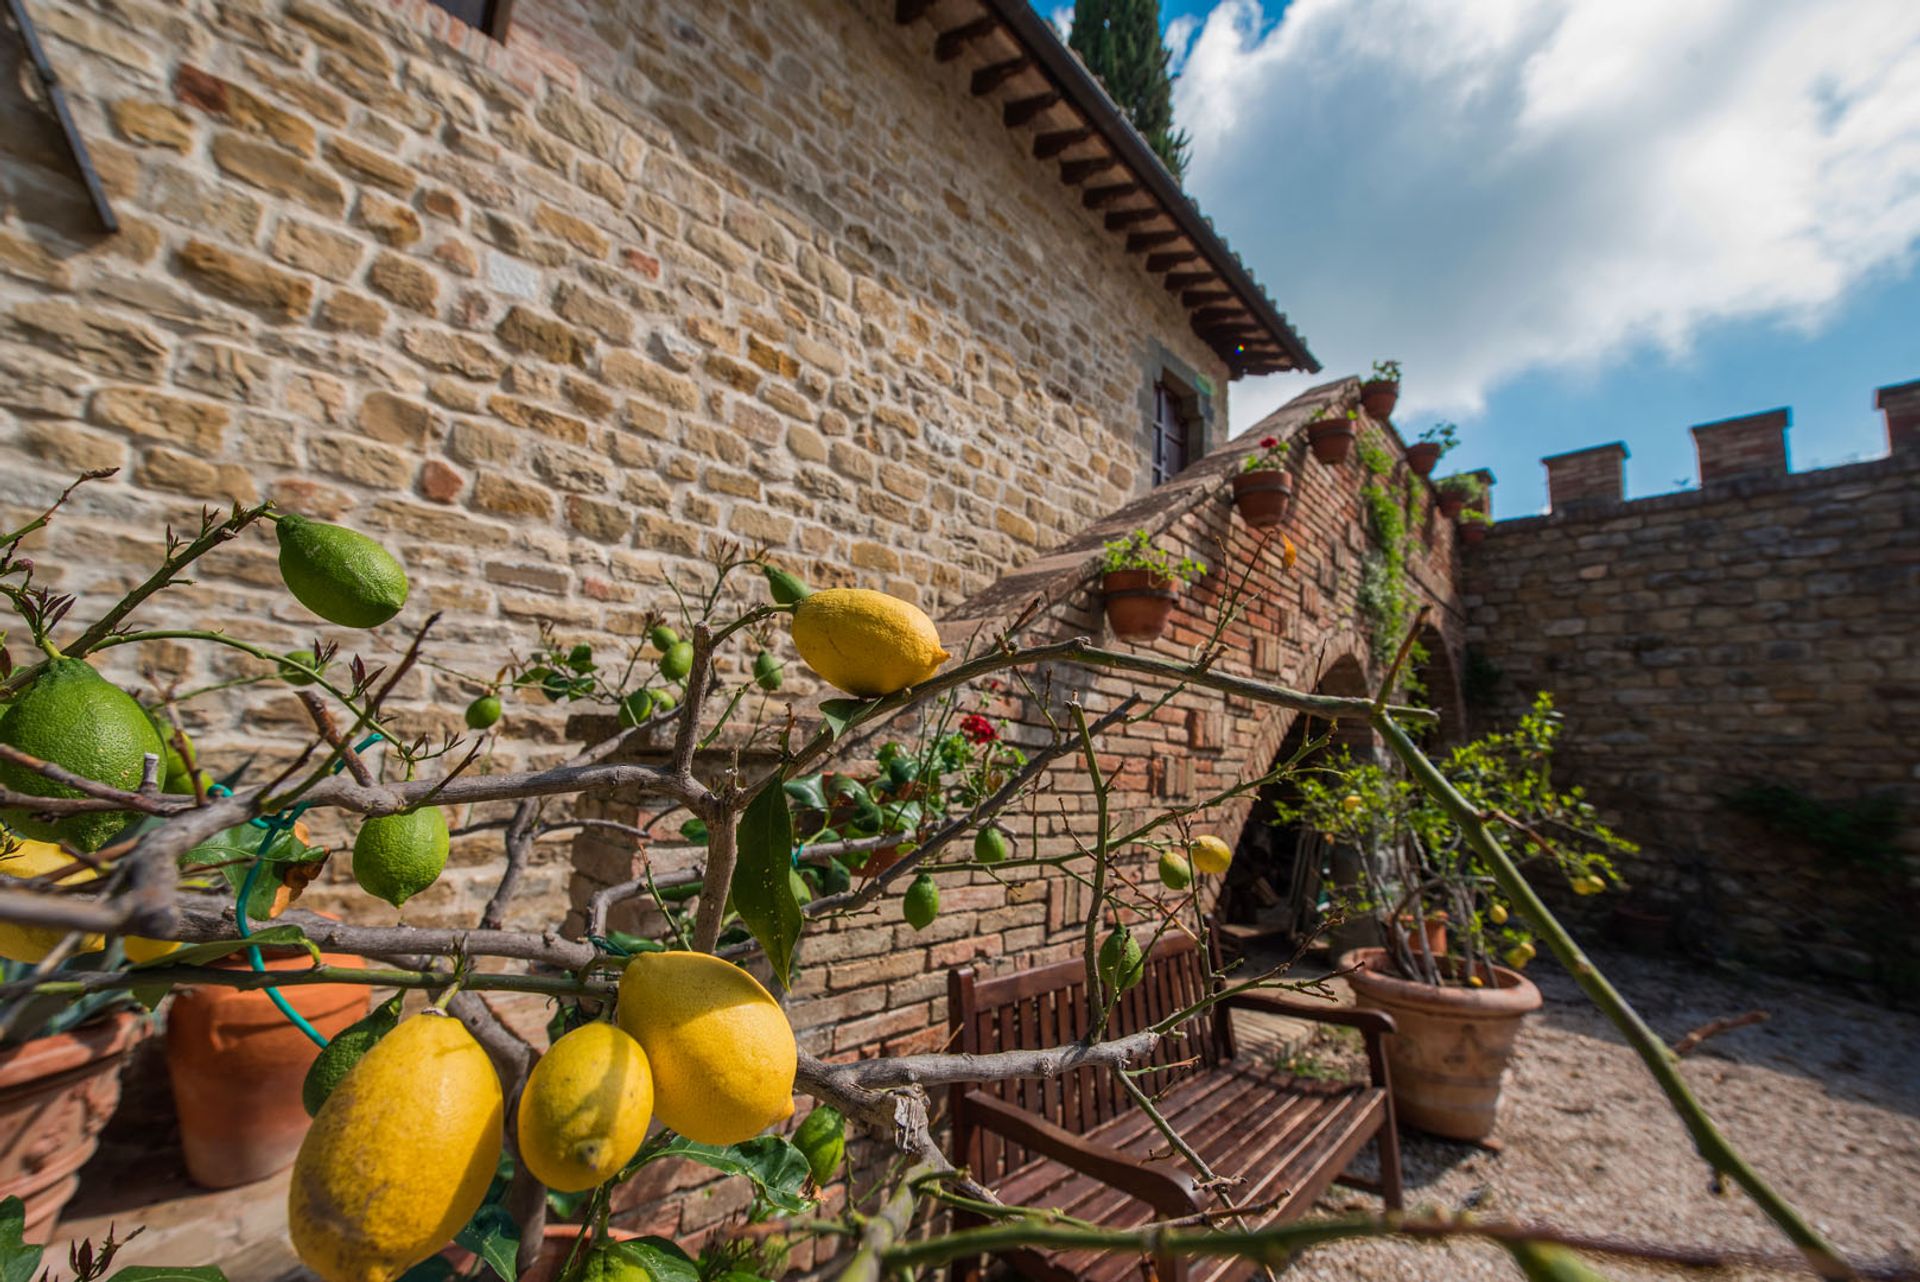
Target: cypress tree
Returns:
[1119, 40]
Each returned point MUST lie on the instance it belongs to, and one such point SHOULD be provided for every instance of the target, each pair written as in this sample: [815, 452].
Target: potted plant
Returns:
[1473, 524]
[1330, 433]
[59, 1084]
[1453, 493]
[1435, 442]
[1379, 394]
[1263, 488]
[1457, 1009]
[1138, 583]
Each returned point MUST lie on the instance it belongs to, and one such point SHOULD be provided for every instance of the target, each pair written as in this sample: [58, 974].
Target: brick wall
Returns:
[868, 983]
[1763, 630]
[552, 319]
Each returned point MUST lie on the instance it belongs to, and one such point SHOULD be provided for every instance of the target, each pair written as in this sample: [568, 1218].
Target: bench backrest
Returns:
[1047, 1007]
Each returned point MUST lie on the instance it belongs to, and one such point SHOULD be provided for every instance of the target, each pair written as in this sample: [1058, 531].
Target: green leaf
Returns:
[847, 787]
[435, 1268]
[243, 842]
[19, 1260]
[778, 1170]
[663, 1261]
[762, 890]
[866, 819]
[695, 830]
[807, 792]
[838, 713]
[200, 954]
[493, 1236]
[564, 1206]
[168, 1273]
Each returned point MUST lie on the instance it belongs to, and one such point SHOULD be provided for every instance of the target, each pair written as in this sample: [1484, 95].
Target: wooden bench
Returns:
[1080, 1144]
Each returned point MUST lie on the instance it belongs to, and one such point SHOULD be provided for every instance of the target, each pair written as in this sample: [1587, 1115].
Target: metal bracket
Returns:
[56, 96]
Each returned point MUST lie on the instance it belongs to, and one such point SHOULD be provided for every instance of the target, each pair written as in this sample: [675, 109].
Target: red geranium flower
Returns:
[978, 729]
[1268, 442]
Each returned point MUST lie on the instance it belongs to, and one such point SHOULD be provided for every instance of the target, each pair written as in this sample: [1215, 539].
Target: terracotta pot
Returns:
[1450, 504]
[557, 1241]
[1472, 532]
[1138, 603]
[1436, 933]
[237, 1064]
[1330, 440]
[56, 1095]
[1452, 1045]
[1263, 497]
[1378, 396]
[1421, 456]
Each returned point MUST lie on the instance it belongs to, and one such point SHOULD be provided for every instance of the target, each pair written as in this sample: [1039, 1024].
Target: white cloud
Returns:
[1481, 189]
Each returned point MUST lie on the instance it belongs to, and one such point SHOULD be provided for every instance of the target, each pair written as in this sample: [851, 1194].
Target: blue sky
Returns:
[1574, 221]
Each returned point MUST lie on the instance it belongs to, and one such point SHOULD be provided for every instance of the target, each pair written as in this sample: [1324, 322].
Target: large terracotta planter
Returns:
[1378, 396]
[1450, 502]
[237, 1064]
[1138, 603]
[1451, 1045]
[56, 1095]
[1421, 456]
[1330, 439]
[1263, 497]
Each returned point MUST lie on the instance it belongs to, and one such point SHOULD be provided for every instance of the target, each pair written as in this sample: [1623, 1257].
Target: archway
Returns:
[1438, 679]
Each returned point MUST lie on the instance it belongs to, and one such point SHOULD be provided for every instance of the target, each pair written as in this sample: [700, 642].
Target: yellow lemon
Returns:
[1497, 914]
[1210, 854]
[32, 943]
[866, 643]
[400, 1155]
[721, 1050]
[1588, 885]
[585, 1108]
[1351, 802]
[1519, 955]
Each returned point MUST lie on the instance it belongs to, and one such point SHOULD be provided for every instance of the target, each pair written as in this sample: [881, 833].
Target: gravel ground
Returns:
[1823, 1098]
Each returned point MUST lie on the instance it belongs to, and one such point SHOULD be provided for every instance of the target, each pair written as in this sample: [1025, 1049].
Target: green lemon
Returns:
[340, 574]
[787, 589]
[397, 856]
[822, 1138]
[636, 707]
[73, 717]
[344, 1049]
[664, 701]
[766, 671]
[1176, 870]
[483, 712]
[922, 902]
[677, 662]
[662, 637]
[990, 845]
[614, 1262]
[293, 676]
[1121, 963]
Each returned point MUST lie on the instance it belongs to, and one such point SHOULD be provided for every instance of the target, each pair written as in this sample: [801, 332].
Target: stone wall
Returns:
[867, 982]
[553, 319]
[1763, 630]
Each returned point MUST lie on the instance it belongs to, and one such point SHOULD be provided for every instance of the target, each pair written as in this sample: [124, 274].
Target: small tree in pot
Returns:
[1440, 916]
[1379, 394]
[1138, 585]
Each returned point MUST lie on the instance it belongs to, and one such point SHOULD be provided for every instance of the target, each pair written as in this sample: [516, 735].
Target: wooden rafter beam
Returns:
[905, 11]
[1157, 263]
[1075, 172]
[1022, 110]
[951, 44]
[1226, 319]
[1204, 297]
[1049, 145]
[1095, 197]
[1121, 219]
[991, 77]
[1141, 241]
[1187, 280]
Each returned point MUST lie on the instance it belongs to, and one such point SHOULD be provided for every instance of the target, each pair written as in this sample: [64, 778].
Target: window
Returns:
[1172, 433]
[490, 16]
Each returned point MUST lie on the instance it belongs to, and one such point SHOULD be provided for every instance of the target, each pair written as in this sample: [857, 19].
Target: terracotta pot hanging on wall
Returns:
[1378, 396]
[1421, 456]
[1138, 603]
[1263, 497]
[1330, 440]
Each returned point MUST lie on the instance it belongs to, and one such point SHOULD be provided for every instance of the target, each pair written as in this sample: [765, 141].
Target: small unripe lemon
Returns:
[294, 676]
[635, 708]
[585, 1108]
[340, 574]
[1210, 854]
[73, 717]
[722, 1052]
[662, 637]
[1176, 870]
[1497, 914]
[677, 662]
[664, 701]
[397, 856]
[921, 904]
[399, 1157]
[1351, 802]
[822, 1138]
[483, 712]
[1121, 963]
[767, 671]
[866, 643]
[990, 845]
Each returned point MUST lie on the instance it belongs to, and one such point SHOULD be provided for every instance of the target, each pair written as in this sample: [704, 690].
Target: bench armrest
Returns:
[1374, 1022]
[1169, 1193]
